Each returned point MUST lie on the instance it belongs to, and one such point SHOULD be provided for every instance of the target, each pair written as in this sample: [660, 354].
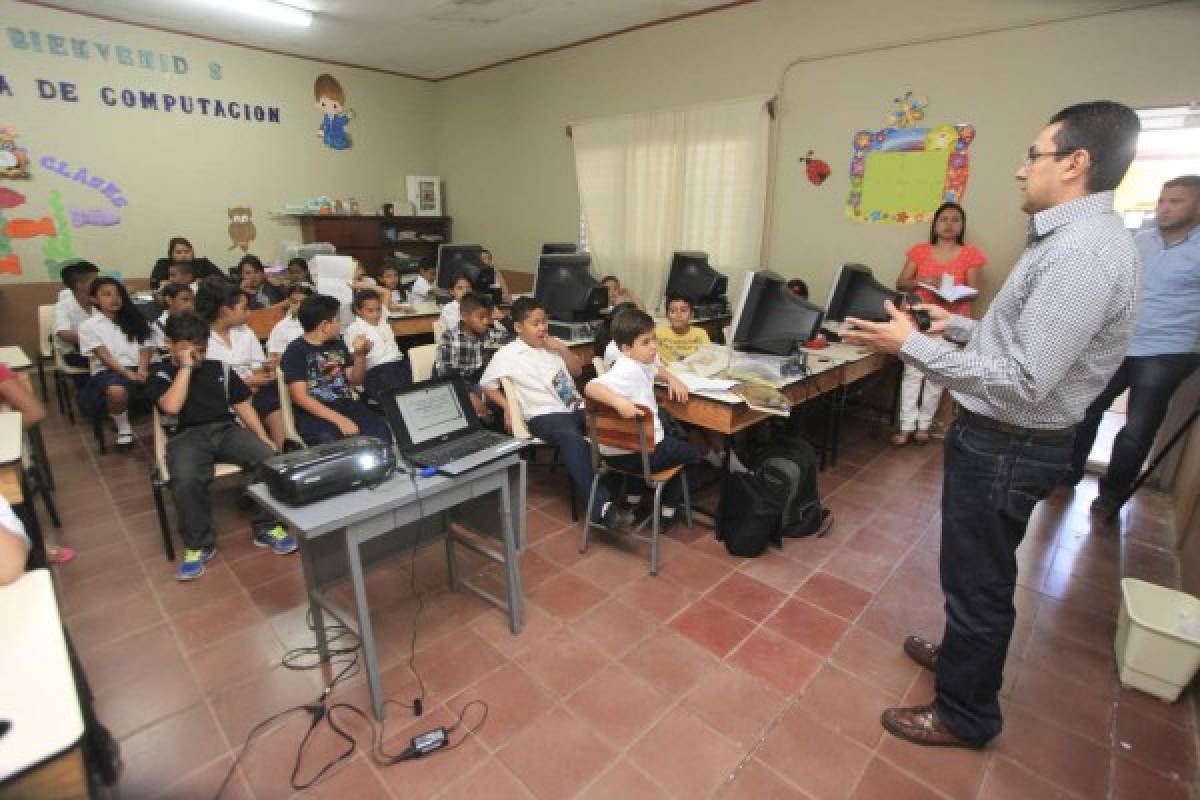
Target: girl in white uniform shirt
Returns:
[450, 313]
[387, 368]
[118, 344]
[225, 308]
[421, 292]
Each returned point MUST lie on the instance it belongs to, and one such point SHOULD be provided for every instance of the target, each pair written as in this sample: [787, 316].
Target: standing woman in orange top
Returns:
[944, 254]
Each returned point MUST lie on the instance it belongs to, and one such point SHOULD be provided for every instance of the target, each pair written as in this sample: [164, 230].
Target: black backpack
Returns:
[747, 519]
[787, 469]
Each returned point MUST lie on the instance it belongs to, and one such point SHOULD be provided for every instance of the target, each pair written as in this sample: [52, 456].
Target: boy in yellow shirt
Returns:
[679, 339]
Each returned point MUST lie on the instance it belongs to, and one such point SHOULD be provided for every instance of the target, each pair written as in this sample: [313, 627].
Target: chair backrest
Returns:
[46, 331]
[263, 320]
[286, 414]
[519, 429]
[160, 446]
[420, 358]
[607, 427]
[598, 363]
[437, 330]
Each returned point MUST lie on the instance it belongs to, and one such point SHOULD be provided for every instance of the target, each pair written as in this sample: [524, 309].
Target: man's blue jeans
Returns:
[992, 482]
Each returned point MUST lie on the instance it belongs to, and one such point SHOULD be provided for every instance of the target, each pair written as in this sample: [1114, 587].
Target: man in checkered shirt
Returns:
[1023, 378]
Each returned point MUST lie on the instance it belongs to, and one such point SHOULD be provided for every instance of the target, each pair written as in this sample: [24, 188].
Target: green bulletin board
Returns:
[898, 182]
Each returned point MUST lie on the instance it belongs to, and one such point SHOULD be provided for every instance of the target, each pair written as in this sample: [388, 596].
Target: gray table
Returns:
[342, 535]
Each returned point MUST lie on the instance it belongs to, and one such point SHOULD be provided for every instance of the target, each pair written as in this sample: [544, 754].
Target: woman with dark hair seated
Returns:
[180, 249]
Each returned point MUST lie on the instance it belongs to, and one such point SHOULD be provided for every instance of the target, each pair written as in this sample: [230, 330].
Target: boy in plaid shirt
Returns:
[464, 349]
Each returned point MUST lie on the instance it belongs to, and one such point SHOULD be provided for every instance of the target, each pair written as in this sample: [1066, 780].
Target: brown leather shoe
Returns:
[920, 725]
[922, 651]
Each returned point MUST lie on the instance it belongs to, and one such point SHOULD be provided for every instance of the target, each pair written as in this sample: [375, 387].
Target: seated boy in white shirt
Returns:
[543, 371]
[629, 383]
[73, 307]
[450, 312]
[421, 292]
[387, 368]
[289, 328]
[176, 297]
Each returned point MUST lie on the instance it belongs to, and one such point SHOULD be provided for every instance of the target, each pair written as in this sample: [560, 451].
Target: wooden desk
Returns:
[15, 358]
[12, 481]
[41, 755]
[413, 324]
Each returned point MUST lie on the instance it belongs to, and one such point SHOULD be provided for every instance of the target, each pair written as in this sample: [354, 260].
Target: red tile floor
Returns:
[721, 677]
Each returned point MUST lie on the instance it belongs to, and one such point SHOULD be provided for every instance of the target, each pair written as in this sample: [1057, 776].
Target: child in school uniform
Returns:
[182, 273]
[463, 349]
[118, 344]
[253, 282]
[387, 368]
[225, 309]
[421, 292]
[319, 372]
[542, 370]
[298, 272]
[200, 397]
[176, 297]
[288, 329]
[450, 312]
[629, 383]
[389, 279]
[679, 339]
[74, 305]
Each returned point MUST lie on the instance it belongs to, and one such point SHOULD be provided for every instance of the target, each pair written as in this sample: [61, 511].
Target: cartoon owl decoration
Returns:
[241, 228]
[14, 159]
[816, 169]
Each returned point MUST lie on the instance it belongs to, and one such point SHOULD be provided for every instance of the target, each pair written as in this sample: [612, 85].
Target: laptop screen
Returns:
[430, 412]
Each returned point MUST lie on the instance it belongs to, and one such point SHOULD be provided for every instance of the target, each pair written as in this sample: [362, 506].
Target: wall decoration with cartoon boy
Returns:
[14, 159]
[331, 99]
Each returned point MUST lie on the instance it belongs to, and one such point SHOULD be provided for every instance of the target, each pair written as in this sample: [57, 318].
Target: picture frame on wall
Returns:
[425, 195]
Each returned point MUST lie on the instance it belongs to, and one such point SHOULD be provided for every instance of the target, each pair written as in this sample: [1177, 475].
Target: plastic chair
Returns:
[521, 431]
[287, 413]
[636, 435]
[420, 359]
[437, 330]
[160, 478]
[599, 365]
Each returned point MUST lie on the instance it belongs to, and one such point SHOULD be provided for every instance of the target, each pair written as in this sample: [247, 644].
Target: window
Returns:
[1169, 146]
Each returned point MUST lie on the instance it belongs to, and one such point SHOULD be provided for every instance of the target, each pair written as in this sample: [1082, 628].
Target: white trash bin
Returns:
[1158, 638]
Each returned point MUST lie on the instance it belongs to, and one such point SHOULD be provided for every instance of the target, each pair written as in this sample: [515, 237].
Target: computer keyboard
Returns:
[459, 448]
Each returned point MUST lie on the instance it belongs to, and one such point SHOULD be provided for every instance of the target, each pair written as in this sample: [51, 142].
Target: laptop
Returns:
[435, 425]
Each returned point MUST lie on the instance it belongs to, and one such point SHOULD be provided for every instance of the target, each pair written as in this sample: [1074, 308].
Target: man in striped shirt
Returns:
[1023, 377]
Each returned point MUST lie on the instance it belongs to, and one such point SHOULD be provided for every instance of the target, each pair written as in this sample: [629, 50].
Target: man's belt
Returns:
[971, 418]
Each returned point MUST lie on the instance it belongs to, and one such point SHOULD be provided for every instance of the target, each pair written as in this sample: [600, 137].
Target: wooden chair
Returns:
[420, 360]
[521, 431]
[287, 414]
[607, 427]
[160, 478]
[263, 320]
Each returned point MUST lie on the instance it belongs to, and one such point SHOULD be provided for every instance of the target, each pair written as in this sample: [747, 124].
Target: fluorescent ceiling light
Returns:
[269, 10]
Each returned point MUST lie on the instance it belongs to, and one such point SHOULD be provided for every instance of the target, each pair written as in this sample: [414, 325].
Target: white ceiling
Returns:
[422, 38]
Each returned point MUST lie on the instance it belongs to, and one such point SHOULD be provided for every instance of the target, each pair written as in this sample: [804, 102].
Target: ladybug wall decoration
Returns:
[816, 169]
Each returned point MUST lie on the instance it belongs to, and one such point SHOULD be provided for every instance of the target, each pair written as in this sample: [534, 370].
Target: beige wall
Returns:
[509, 170]
[181, 173]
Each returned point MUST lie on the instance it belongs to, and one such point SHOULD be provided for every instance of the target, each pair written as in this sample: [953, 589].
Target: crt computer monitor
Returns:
[463, 259]
[566, 288]
[692, 277]
[856, 293]
[559, 248]
[771, 319]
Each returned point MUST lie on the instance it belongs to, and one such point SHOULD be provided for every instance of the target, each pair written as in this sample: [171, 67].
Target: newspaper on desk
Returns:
[754, 379]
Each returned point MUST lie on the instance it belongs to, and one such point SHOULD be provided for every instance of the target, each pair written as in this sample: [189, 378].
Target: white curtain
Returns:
[687, 179]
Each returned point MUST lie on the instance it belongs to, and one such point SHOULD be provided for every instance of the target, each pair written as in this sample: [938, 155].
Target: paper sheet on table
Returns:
[333, 268]
[695, 383]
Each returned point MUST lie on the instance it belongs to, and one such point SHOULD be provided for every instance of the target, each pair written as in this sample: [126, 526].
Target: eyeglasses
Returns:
[1033, 155]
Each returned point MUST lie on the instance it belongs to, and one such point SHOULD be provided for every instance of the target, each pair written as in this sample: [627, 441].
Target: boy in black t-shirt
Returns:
[319, 371]
[200, 399]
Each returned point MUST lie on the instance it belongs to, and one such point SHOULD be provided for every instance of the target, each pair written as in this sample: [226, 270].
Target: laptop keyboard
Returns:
[460, 448]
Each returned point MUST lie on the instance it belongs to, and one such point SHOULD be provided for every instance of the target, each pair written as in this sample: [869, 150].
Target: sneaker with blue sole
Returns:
[192, 565]
[279, 540]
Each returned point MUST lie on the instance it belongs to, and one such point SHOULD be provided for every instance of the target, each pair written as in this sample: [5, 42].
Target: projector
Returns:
[328, 469]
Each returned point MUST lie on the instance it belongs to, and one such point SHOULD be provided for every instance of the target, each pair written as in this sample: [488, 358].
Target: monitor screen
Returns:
[430, 412]
[559, 248]
[566, 288]
[856, 293]
[692, 277]
[771, 319]
[463, 259]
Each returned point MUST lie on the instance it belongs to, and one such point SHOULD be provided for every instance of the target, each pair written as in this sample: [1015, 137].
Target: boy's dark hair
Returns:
[523, 307]
[128, 318]
[75, 272]
[300, 286]
[250, 260]
[1189, 182]
[472, 302]
[390, 266]
[676, 297]
[1108, 131]
[608, 278]
[317, 309]
[629, 325]
[186, 326]
[298, 262]
[361, 297]
[214, 294]
[169, 291]
[426, 264]
[186, 266]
